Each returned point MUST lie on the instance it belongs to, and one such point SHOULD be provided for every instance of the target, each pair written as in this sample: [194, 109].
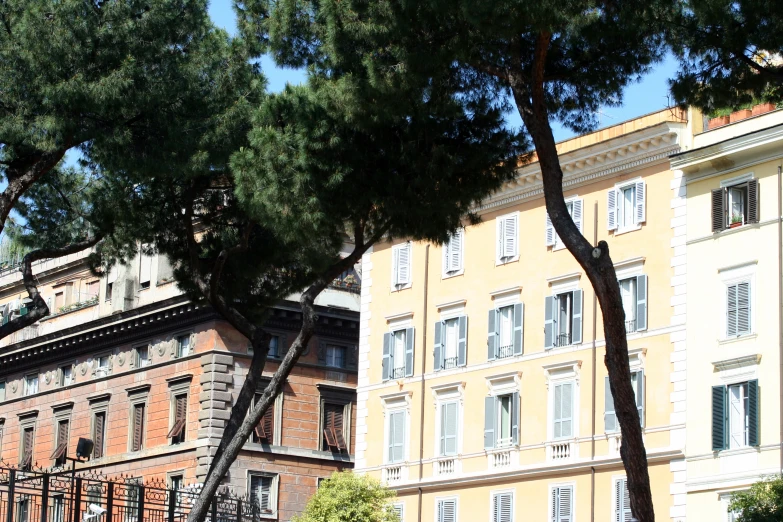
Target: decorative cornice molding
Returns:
[737, 362]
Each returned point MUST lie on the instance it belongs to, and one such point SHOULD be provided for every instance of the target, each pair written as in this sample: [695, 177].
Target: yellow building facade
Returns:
[732, 284]
[482, 391]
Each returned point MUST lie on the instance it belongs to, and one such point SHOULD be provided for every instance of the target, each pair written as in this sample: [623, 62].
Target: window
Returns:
[398, 354]
[61, 441]
[633, 291]
[58, 508]
[335, 356]
[66, 375]
[449, 422]
[575, 211]
[447, 510]
[102, 365]
[396, 438]
[399, 510]
[264, 432]
[31, 384]
[503, 507]
[23, 509]
[109, 288]
[501, 420]
[562, 410]
[452, 254]
[451, 338]
[143, 356]
[735, 415]
[401, 266]
[92, 289]
[179, 408]
[507, 238]
[735, 205]
[59, 301]
[137, 427]
[176, 483]
[563, 319]
[334, 427]
[626, 206]
[28, 440]
[183, 346]
[738, 309]
[98, 434]
[610, 417]
[2, 391]
[505, 335]
[145, 267]
[562, 504]
[262, 491]
[274, 347]
[622, 501]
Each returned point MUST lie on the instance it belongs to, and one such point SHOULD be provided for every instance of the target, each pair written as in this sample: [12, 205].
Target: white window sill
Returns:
[737, 451]
[634, 228]
[397, 288]
[506, 260]
[455, 273]
[743, 337]
[558, 246]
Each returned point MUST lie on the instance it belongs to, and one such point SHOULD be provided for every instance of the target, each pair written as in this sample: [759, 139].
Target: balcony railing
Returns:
[392, 474]
[449, 362]
[561, 450]
[446, 466]
[398, 373]
[505, 351]
[563, 340]
[630, 326]
[501, 459]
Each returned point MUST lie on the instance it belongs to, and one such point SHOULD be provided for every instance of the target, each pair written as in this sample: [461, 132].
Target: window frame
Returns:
[27, 423]
[138, 396]
[336, 396]
[447, 270]
[273, 491]
[613, 221]
[177, 387]
[561, 373]
[61, 374]
[451, 498]
[26, 387]
[495, 493]
[393, 375]
[722, 194]
[501, 259]
[555, 242]
[745, 273]
[277, 413]
[393, 404]
[177, 348]
[99, 411]
[559, 486]
[61, 414]
[136, 355]
[97, 369]
[396, 286]
[444, 395]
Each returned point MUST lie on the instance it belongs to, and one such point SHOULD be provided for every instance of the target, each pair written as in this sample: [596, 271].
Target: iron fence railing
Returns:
[41, 496]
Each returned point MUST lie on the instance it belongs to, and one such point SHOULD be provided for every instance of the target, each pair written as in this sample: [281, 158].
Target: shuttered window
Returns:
[145, 268]
[447, 510]
[507, 237]
[137, 432]
[622, 501]
[183, 346]
[563, 319]
[735, 205]
[264, 431]
[501, 421]
[562, 504]
[398, 354]
[61, 450]
[453, 253]
[98, 434]
[399, 511]
[738, 309]
[574, 207]
[451, 337]
[610, 417]
[448, 428]
[395, 449]
[503, 507]
[735, 415]
[562, 407]
[262, 492]
[626, 208]
[333, 425]
[179, 419]
[633, 291]
[401, 265]
[28, 440]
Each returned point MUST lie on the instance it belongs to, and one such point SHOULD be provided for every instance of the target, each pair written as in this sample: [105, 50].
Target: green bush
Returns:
[763, 502]
[345, 497]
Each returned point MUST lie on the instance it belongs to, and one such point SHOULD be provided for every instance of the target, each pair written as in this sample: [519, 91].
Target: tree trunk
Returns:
[597, 264]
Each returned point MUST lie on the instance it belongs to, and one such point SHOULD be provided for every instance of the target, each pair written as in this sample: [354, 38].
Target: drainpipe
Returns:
[592, 416]
[780, 305]
[423, 369]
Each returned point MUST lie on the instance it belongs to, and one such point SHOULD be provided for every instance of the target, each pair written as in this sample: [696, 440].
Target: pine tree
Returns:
[731, 53]
[101, 80]
[557, 60]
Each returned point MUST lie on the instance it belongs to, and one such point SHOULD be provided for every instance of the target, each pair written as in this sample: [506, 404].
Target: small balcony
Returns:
[561, 450]
[446, 466]
[505, 351]
[503, 457]
[630, 326]
[449, 363]
[394, 473]
[398, 373]
[562, 340]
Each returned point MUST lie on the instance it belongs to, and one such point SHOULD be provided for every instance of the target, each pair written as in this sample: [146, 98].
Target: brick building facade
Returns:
[150, 377]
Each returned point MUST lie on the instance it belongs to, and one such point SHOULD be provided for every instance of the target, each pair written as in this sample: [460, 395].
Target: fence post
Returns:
[214, 509]
[141, 503]
[77, 501]
[239, 510]
[44, 497]
[172, 504]
[9, 514]
[110, 501]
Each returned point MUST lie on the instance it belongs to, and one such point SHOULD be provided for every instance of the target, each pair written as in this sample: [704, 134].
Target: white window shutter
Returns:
[743, 308]
[731, 311]
[611, 209]
[502, 508]
[641, 211]
[550, 231]
[510, 236]
[622, 501]
[576, 214]
[564, 504]
[447, 510]
[455, 251]
[403, 264]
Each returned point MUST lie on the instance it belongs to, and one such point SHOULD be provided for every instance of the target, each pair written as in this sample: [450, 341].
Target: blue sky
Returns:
[648, 95]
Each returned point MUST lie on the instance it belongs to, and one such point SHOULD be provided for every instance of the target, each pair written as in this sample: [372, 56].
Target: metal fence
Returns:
[40, 496]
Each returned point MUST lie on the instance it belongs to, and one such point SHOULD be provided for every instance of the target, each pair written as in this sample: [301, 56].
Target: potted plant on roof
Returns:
[736, 221]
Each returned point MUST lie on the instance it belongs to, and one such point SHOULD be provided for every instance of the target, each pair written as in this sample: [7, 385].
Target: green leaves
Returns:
[763, 502]
[345, 497]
